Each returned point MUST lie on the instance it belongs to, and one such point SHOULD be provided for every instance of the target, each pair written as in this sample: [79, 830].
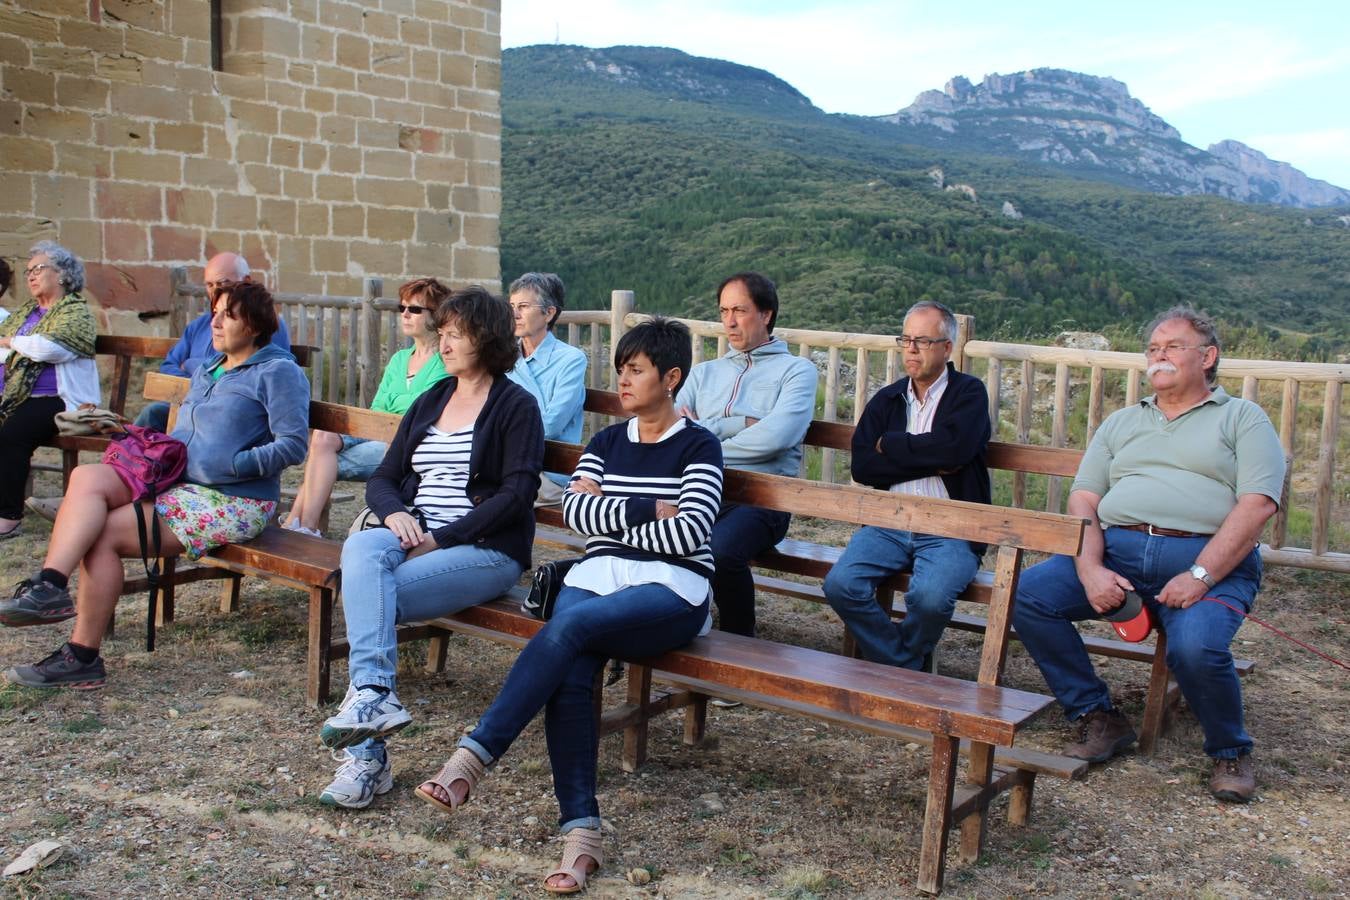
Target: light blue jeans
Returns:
[942, 567]
[359, 458]
[380, 591]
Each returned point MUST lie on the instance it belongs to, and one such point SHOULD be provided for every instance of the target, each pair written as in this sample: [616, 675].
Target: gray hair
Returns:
[67, 264]
[547, 288]
[1203, 325]
[948, 317]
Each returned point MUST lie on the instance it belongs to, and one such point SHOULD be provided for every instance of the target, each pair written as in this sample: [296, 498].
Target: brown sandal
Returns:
[463, 765]
[577, 843]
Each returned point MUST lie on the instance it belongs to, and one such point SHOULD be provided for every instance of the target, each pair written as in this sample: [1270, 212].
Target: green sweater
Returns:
[396, 394]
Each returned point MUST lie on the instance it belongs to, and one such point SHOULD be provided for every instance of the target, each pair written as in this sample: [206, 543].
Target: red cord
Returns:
[1294, 640]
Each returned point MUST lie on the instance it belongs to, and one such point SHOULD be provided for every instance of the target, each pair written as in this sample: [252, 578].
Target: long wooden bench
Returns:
[813, 560]
[942, 711]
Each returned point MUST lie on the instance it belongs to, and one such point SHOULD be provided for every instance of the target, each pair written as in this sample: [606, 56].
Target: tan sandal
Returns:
[577, 843]
[463, 765]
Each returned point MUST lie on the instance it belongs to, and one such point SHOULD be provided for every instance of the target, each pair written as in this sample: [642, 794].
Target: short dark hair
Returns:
[547, 288]
[6, 277]
[251, 302]
[763, 291]
[666, 342]
[487, 320]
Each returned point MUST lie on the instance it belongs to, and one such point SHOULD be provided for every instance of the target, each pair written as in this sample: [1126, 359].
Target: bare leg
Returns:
[320, 476]
[95, 490]
[101, 570]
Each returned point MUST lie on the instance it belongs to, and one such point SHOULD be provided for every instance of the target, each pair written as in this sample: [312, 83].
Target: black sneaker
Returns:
[36, 602]
[61, 669]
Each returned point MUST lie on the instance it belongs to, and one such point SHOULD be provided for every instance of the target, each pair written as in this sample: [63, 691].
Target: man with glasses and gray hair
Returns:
[925, 435]
[1177, 489]
[553, 372]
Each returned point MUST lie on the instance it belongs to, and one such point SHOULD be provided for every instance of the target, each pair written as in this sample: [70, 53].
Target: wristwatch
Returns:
[1202, 574]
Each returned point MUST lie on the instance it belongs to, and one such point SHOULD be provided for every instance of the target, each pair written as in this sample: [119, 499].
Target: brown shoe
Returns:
[1233, 780]
[1101, 735]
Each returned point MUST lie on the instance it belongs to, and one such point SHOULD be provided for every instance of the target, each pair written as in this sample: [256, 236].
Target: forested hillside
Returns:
[652, 170]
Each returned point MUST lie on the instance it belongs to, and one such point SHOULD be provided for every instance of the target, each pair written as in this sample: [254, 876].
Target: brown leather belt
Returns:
[1163, 532]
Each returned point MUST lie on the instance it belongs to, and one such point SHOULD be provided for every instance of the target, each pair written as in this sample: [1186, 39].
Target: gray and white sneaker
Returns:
[365, 713]
[358, 781]
[36, 602]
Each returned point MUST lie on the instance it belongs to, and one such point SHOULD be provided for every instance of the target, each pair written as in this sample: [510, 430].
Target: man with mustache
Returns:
[1177, 489]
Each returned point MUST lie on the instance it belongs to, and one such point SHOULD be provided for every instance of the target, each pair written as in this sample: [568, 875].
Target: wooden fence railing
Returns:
[1027, 404]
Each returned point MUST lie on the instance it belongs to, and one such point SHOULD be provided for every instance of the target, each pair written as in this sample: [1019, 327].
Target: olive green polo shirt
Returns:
[1184, 474]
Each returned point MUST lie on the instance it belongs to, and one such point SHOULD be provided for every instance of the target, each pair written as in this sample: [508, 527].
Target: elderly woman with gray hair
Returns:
[46, 366]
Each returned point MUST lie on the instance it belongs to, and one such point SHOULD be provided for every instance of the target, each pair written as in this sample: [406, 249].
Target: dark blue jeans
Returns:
[942, 567]
[556, 672]
[1050, 599]
[739, 535]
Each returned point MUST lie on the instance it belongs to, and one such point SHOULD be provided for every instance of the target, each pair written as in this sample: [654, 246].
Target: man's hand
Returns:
[1105, 589]
[426, 546]
[405, 528]
[666, 510]
[585, 486]
[1182, 591]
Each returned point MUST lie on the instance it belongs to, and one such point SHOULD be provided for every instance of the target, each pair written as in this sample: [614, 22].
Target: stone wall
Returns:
[341, 140]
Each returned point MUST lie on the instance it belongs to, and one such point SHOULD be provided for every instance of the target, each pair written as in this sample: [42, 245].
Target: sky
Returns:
[1276, 77]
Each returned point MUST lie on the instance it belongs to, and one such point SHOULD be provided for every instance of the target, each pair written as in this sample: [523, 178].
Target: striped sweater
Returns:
[684, 468]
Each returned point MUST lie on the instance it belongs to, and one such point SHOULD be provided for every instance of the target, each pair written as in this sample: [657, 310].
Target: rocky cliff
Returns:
[1092, 124]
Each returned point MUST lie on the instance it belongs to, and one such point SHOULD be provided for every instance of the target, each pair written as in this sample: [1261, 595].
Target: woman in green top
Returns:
[334, 457]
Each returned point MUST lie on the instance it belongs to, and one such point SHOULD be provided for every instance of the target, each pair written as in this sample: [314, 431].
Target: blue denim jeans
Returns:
[380, 590]
[359, 458]
[1050, 599]
[154, 415]
[739, 535]
[556, 672]
[942, 567]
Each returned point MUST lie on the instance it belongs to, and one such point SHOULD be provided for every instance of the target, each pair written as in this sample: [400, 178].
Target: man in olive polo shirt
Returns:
[1177, 489]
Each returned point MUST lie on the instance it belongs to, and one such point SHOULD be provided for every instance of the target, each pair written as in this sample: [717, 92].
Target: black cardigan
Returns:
[505, 460]
[954, 449]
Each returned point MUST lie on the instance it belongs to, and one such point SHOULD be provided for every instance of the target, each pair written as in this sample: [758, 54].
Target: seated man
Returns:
[223, 271]
[758, 401]
[1177, 489]
[554, 372]
[924, 435]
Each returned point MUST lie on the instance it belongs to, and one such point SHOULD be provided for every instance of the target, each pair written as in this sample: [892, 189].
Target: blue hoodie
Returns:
[243, 429]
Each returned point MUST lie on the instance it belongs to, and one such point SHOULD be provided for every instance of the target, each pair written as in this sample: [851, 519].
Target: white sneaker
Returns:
[364, 714]
[358, 781]
[296, 526]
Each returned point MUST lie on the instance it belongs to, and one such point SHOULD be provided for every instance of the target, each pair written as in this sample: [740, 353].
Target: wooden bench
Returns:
[813, 560]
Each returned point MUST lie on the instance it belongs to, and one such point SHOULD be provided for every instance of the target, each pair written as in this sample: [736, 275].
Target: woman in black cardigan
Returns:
[455, 494]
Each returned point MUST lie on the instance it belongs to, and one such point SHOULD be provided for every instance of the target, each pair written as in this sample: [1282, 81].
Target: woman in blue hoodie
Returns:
[245, 418]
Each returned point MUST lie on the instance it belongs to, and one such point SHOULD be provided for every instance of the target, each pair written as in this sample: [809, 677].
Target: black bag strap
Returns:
[152, 570]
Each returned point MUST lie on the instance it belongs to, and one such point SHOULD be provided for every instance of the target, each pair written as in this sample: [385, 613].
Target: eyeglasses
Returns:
[411, 310]
[923, 343]
[1154, 352]
[33, 270]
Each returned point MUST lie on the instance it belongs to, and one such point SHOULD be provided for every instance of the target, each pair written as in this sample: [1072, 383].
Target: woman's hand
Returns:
[405, 528]
[666, 510]
[426, 546]
[585, 486]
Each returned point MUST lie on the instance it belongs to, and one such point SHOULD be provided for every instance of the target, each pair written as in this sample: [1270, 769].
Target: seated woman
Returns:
[466, 459]
[339, 457]
[245, 418]
[645, 494]
[46, 366]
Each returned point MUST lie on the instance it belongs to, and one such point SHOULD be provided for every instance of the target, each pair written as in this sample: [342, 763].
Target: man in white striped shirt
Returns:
[925, 435]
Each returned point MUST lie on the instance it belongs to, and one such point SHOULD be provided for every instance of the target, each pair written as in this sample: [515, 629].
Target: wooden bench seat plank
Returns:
[287, 554]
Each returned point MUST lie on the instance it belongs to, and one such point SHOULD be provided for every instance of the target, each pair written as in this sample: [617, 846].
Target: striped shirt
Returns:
[684, 468]
[919, 420]
[441, 461]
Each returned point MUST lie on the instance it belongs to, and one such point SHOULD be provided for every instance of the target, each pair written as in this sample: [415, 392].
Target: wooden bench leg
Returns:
[164, 613]
[696, 720]
[938, 813]
[320, 645]
[1155, 706]
[635, 735]
[438, 647]
[976, 825]
[1019, 799]
[69, 460]
[229, 593]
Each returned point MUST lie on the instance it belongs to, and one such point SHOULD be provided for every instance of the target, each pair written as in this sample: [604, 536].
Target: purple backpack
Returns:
[148, 461]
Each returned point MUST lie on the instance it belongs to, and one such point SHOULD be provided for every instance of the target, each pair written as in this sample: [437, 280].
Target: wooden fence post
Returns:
[965, 332]
[369, 362]
[621, 303]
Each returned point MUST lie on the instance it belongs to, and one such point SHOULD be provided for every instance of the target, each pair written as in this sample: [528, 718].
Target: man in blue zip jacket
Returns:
[758, 401]
[925, 435]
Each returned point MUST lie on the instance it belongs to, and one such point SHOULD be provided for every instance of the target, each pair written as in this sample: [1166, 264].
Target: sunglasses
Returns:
[411, 310]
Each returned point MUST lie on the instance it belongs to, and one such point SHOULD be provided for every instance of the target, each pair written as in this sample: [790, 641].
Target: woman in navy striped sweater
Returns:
[645, 495]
